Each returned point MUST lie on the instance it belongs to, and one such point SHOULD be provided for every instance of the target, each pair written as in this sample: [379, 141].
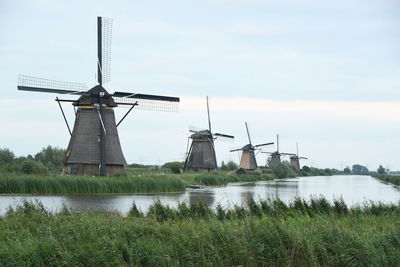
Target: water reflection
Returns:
[246, 195]
[206, 196]
[92, 203]
[353, 190]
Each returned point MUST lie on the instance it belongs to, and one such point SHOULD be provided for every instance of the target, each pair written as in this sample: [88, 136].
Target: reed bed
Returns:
[393, 179]
[33, 184]
[222, 178]
[128, 183]
[270, 233]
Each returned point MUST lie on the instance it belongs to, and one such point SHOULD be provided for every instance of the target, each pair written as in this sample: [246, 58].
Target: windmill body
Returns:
[295, 159]
[248, 160]
[83, 155]
[94, 147]
[201, 155]
[275, 157]
[295, 162]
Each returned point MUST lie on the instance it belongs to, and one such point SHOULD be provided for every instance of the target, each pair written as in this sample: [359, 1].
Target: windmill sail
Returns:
[148, 102]
[35, 84]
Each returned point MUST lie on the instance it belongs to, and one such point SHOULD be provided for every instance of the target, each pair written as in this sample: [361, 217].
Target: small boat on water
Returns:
[195, 186]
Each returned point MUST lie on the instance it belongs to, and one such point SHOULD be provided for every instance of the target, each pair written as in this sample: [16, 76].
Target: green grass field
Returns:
[269, 233]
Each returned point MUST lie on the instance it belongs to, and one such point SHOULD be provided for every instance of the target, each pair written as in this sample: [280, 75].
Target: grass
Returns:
[393, 179]
[134, 181]
[269, 233]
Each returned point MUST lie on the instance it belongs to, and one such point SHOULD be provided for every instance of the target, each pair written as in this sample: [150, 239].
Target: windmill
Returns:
[201, 154]
[276, 156]
[295, 159]
[248, 159]
[94, 147]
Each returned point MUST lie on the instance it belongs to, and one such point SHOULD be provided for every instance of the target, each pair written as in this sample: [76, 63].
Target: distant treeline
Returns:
[356, 169]
[267, 233]
[48, 160]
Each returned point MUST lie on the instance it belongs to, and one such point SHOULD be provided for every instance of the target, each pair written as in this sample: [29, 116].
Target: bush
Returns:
[33, 167]
[136, 165]
[175, 166]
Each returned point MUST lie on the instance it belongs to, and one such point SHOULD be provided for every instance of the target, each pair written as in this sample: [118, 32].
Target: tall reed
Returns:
[31, 184]
[270, 233]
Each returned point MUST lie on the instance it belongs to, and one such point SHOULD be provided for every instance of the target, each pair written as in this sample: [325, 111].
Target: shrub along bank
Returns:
[269, 233]
[393, 179]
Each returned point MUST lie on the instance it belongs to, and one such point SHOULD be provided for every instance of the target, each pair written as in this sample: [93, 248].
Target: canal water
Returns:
[353, 189]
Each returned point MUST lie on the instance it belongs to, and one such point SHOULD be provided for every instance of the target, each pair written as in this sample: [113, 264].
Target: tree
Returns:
[283, 170]
[381, 169]
[347, 170]
[229, 166]
[51, 156]
[6, 155]
[305, 169]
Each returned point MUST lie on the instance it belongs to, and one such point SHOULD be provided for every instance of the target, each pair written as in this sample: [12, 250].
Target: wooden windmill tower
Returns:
[248, 159]
[276, 156]
[94, 147]
[295, 159]
[201, 154]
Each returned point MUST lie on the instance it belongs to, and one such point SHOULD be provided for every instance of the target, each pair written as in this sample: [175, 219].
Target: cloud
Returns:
[385, 111]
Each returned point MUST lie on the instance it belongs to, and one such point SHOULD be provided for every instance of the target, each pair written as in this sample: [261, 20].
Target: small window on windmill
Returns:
[74, 169]
[101, 94]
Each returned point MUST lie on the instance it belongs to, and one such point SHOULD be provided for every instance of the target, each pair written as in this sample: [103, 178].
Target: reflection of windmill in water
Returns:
[295, 159]
[201, 154]
[94, 147]
[248, 159]
[276, 156]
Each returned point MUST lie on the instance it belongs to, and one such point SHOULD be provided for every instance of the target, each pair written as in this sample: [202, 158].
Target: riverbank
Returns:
[270, 233]
[393, 179]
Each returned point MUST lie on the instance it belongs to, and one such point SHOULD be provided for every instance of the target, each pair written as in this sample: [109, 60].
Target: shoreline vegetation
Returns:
[135, 180]
[36, 175]
[392, 179]
[266, 233]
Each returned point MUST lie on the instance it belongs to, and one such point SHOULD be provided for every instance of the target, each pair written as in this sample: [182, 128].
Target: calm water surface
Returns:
[353, 189]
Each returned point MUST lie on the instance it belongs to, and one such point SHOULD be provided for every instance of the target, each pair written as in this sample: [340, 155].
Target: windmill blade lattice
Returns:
[106, 34]
[31, 83]
[146, 104]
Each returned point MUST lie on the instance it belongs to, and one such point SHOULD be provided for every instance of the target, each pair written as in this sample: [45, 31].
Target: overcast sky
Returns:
[325, 74]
